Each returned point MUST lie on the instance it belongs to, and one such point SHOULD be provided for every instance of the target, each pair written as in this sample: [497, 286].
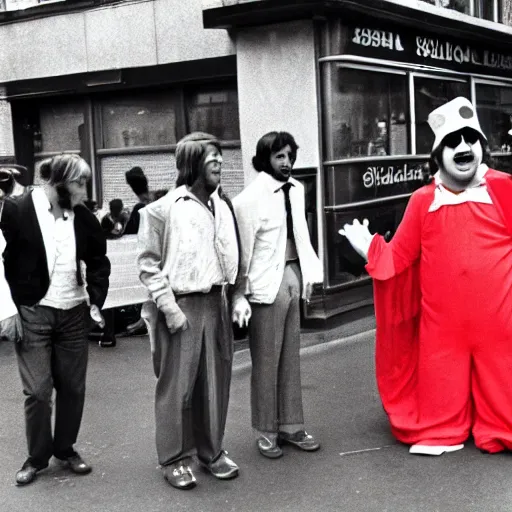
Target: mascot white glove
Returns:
[242, 312]
[359, 236]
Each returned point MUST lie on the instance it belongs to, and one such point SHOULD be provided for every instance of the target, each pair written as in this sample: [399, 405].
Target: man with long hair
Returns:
[278, 267]
[188, 257]
[443, 296]
[50, 234]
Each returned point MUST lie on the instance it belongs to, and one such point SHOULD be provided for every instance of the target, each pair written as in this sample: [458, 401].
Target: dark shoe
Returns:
[138, 328]
[301, 440]
[179, 475]
[76, 464]
[27, 474]
[269, 447]
[223, 467]
[108, 340]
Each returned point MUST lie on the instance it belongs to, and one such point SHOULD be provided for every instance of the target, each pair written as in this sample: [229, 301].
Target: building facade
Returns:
[121, 81]
[118, 82]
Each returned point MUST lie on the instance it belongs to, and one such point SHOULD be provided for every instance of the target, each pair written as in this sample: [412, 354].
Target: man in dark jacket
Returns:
[55, 265]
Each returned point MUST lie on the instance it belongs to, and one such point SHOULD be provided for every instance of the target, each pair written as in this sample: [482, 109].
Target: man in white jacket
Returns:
[278, 266]
[188, 257]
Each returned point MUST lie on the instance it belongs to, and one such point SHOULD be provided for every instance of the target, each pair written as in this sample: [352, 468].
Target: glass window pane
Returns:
[138, 120]
[367, 114]
[59, 126]
[429, 94]
[456, 5]
[484, 9]
[215, 112]
[494, 104]
[344, 264]
[505, 12]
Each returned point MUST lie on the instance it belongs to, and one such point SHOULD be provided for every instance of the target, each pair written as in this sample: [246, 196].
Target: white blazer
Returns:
[261, 216]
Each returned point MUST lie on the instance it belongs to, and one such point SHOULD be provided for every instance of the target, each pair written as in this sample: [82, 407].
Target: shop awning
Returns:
[235, 14]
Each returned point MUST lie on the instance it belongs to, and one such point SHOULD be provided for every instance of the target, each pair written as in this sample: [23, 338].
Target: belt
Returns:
[216, 288]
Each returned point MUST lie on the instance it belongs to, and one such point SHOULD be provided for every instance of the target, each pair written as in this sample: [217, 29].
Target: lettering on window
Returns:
[428, 48]
[377, 39]
[380, 176]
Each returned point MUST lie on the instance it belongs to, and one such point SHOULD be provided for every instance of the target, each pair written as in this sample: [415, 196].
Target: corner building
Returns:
[354, 82]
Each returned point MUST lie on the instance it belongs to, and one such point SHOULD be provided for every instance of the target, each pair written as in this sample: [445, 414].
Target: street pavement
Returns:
[359, 468]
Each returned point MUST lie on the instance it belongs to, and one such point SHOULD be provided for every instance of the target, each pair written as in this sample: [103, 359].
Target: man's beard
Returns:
[64, 197]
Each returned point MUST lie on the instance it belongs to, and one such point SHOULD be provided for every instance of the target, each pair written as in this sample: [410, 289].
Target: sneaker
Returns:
[179, 475]
[222, 467]
[268, 447]
[300, 439]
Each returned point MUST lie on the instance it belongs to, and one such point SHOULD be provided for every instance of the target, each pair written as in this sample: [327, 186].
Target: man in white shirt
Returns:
[278, 266]
[188, 257]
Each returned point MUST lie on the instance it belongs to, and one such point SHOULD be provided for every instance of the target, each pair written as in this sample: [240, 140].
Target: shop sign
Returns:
[359, 181]
[425, 49]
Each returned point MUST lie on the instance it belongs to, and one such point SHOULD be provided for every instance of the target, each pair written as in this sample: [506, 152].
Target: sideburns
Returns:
[64, 197]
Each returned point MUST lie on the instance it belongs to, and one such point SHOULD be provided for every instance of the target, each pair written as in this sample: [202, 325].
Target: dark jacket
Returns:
[26, 268]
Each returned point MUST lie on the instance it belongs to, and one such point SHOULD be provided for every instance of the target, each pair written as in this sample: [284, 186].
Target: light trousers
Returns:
[274, 342]
[193, 370]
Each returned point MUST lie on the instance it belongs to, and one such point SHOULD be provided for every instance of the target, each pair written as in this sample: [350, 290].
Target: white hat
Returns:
[452, 116]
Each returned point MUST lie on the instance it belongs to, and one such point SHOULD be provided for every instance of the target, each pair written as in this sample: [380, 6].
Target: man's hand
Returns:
[12, 328]
[97, 316]
[242, 312]
[359, 236]
[175, 319]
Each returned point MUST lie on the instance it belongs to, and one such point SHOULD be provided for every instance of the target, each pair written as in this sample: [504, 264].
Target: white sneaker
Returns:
[424, 449]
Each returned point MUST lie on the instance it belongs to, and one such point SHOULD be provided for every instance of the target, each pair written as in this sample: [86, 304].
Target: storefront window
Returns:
[430, 93]
[494, 104]
[367, 113]
[345, 265]
[60, 125]
[138, 120]
[215, 112]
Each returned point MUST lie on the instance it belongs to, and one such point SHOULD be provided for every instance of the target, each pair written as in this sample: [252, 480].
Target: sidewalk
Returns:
[359, 468]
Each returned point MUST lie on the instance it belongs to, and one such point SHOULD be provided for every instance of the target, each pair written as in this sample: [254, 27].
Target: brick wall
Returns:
[160, 169]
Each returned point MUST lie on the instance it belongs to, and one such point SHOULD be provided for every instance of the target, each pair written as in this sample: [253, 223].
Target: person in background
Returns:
[138, 182]
[9, 185]
[188, 257]
[114, 223]
[55, 264]
[278, 266]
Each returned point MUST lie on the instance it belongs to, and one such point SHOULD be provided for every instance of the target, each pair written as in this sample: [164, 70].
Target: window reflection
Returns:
[494, 105]
[138, 120]
[215, 112]
[429, 94]
[59, 127]
[368, 114]
[456, 5]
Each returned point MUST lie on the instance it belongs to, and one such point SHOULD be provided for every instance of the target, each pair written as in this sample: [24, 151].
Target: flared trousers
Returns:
[193, 370]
